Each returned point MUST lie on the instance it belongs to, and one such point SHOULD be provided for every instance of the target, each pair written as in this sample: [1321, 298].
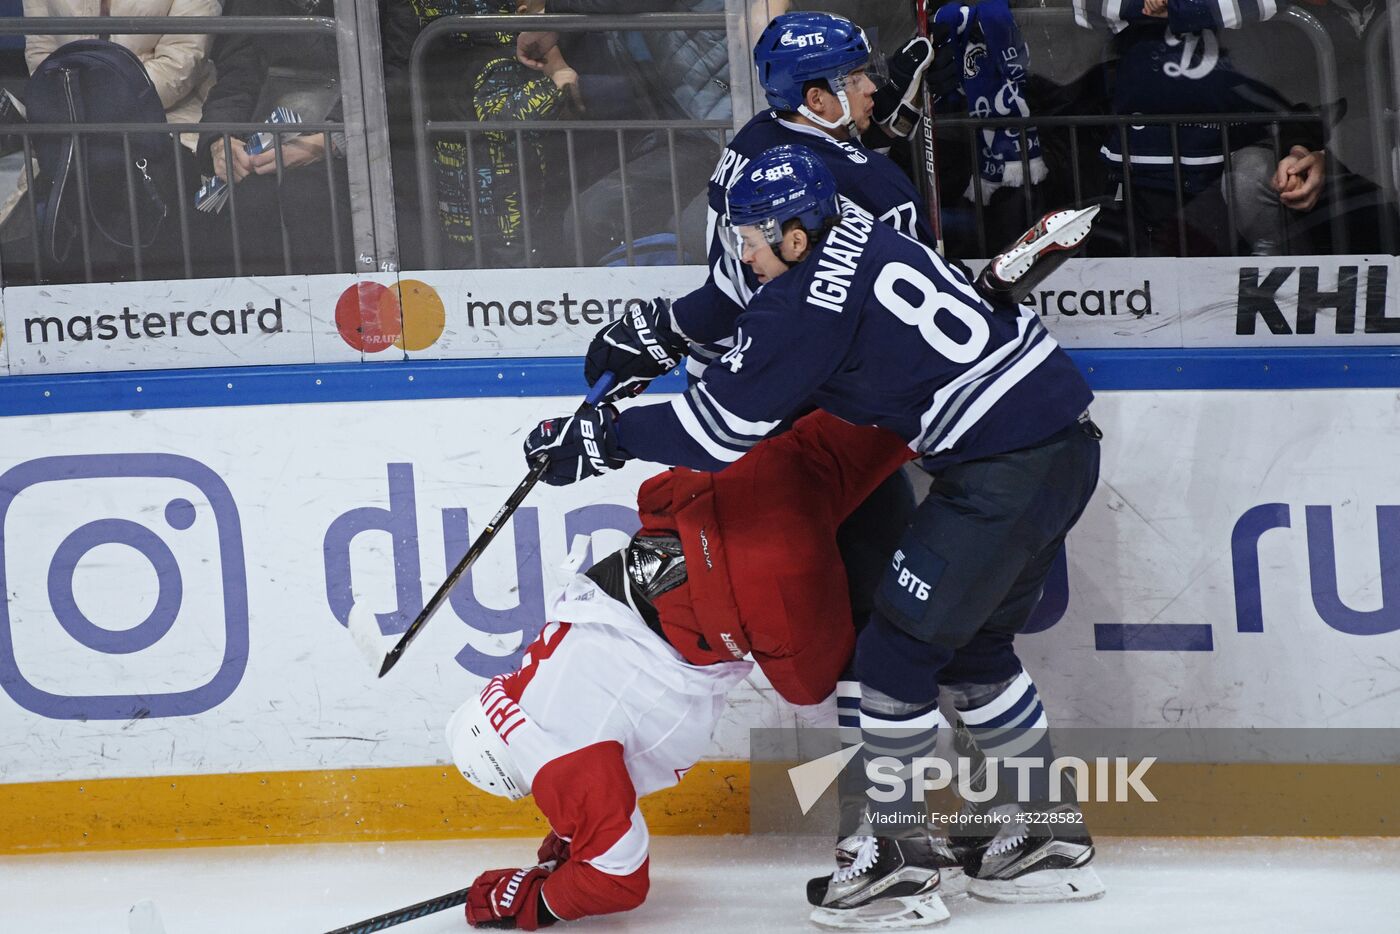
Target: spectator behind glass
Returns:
[257, 74]
[178, 66]
[679, 76]
[1169, 60]
[182, 75]
[483, 194]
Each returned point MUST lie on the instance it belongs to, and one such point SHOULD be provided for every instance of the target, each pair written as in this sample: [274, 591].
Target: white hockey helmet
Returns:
[480, 754]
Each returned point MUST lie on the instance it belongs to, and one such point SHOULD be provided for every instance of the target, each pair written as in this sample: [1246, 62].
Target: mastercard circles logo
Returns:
[372, 317]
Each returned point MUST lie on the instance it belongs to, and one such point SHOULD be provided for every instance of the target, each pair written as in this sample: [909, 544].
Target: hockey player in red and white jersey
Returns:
[618, 696]
[601, 712]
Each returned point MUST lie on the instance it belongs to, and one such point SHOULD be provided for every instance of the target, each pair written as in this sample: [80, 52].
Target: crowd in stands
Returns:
[1291, 181]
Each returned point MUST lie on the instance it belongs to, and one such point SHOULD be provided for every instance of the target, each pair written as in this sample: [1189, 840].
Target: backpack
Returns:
[89, 81]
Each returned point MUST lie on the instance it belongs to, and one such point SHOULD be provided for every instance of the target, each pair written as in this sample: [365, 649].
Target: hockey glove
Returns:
[554, 849]
[509, 899]
[576, 446]
[636, 348]
[932, 62]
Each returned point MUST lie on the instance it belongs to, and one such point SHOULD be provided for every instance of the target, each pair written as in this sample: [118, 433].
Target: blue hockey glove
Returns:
[576, 446]
[636, 348]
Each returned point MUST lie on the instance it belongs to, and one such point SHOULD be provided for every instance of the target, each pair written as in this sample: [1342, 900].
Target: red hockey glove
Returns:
[554, 849]
[509, 899]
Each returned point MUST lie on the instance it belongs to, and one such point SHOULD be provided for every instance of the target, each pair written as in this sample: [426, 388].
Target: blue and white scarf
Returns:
[994, 60]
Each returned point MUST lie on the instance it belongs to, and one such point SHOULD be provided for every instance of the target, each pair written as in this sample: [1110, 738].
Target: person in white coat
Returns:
[178, 65]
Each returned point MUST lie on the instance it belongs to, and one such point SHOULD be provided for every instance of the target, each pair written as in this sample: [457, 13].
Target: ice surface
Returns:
[699, 884]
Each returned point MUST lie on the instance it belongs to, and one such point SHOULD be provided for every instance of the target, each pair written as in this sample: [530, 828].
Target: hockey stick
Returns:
[488, 534]
[404, 915]
[930, 147]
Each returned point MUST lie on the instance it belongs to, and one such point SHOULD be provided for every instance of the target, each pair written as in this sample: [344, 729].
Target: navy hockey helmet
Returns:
[796, 48]
[784, 183]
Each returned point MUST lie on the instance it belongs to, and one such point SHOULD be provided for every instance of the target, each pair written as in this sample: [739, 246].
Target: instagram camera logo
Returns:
[58, 573]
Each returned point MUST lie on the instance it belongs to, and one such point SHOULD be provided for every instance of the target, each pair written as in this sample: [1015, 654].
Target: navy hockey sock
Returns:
[1007, 721]
[897, 733]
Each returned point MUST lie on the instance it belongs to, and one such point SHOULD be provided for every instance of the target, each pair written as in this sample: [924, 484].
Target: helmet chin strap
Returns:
[846, 120]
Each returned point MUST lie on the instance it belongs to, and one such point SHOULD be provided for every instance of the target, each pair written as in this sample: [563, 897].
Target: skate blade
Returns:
[1055, 232]
[1064, 229]
[1048, 885]
[885, 914]
[952, 883]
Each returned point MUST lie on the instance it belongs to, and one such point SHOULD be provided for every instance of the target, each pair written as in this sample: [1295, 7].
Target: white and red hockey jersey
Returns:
[601, 712]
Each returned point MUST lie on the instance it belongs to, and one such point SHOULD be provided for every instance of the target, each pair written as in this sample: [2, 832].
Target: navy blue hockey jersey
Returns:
[1178, 65]
[868, 178]
[877, 329]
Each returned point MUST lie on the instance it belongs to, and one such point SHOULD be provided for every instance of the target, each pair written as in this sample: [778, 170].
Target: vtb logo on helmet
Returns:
[784, 183]
[773, 173]
[796, 48]
[811, 38]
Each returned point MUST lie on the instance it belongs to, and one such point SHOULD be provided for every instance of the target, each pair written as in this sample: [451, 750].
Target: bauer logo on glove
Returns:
[576, 447]
[636, 348]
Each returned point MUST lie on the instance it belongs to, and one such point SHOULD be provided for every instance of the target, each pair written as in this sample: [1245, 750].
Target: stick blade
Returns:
[364, 632]
[391, 660]
[142, 918]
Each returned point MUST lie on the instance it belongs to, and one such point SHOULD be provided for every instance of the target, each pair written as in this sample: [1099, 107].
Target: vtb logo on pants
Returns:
[909, 580]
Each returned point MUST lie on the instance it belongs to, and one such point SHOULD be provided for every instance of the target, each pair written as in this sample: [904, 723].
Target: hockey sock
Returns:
[896, 733]
[851, 783]
[1007, 721]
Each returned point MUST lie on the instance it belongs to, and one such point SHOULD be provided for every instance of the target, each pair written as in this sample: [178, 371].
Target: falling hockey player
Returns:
[875, 328]
[618, 696]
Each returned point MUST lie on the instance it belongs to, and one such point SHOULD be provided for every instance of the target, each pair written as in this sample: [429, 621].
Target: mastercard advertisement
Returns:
[372, 317]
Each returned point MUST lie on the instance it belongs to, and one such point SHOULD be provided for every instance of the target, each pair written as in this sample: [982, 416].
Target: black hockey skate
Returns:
[953, 880]
[1042, 860]
[886, 884]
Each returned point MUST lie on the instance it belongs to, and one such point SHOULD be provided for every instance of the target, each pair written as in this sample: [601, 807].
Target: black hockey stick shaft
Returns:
[488, 534]
[404, 915]
[930, 146]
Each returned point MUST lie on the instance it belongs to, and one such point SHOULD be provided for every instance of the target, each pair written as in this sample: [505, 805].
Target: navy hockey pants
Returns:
[971, 567]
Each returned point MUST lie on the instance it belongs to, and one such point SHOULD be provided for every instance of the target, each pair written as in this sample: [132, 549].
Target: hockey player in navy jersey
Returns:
[798, 619]
[875, 328]
[814, 69]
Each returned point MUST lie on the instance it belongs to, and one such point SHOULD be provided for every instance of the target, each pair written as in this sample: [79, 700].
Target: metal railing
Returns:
[1121, 123]
[78, 132]
[374, 245]
[1328, 85]
[374, 242]
[424, 129]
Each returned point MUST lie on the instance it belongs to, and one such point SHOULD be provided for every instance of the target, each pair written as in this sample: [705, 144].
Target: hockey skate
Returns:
[1043, 860]
[952, 879]
[1057, 236]
[886, 884]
